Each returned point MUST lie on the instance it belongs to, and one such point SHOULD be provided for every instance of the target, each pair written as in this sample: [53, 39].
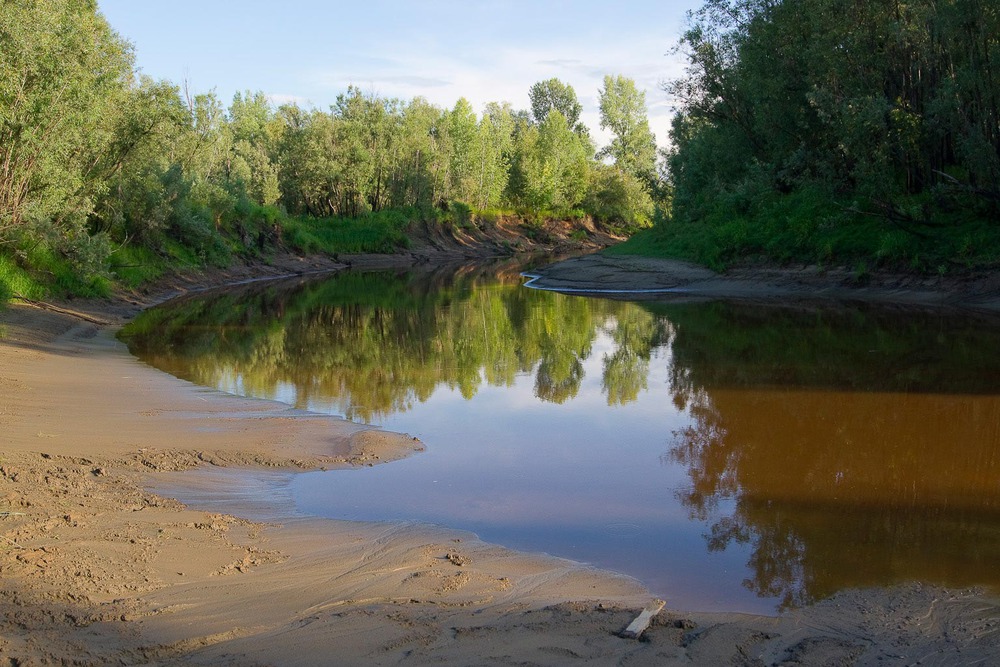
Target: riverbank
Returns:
[678, 280]
[97, 570]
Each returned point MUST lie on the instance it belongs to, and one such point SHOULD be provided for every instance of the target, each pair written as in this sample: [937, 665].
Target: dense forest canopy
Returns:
[833, 130]
[103, 170]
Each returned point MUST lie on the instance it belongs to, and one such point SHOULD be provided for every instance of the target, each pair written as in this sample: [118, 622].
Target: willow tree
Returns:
[364, 148]
[65, 79]
[252, 163]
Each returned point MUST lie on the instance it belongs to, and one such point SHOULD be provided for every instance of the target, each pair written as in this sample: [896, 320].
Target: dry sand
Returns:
[96, 570]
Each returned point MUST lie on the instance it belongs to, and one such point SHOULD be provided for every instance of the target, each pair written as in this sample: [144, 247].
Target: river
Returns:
[731, 456]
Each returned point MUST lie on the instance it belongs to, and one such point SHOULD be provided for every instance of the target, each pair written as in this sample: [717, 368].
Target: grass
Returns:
[809, 228]
[38, 271]
[136, 265]
[62, 276]
[379, 233]
[15, 281]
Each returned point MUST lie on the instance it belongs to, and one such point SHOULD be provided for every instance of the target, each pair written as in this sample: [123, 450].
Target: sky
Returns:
[309, 51]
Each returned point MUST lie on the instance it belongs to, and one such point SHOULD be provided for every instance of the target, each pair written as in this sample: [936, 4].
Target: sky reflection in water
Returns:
[731, 457]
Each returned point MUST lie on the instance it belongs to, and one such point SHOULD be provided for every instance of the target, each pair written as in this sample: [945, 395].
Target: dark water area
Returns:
[731, 456]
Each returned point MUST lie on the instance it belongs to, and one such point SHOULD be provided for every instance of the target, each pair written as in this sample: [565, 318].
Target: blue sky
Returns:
[308, 51]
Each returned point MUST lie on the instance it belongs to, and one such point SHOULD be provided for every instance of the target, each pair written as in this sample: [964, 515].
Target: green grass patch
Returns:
[136, 265]
[688, 241]
[60, 276]
[15, 281]
[379, 233]
[811, 227]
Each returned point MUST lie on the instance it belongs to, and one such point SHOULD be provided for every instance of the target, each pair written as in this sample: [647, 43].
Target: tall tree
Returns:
[553, 164]
[413, 184]
[65, 76]
[145, 182]
[495, 140]
[251, 166]
[623, 111]
[464, 168]
[554, 94]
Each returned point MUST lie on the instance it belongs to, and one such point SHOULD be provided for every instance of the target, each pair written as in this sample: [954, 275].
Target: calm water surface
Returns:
[730, 456]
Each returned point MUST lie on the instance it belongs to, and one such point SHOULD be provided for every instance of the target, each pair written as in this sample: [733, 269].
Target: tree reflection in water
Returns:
[859, 448]
[846, 446]
[371, 344]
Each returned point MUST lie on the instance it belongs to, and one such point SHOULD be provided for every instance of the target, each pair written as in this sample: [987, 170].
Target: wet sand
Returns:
[95, 569]
[667, 279]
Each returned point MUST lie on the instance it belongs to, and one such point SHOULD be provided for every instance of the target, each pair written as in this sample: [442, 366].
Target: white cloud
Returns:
[441, 50]
[284, 98]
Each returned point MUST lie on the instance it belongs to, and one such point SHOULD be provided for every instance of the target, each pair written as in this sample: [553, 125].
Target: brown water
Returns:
[730, 456]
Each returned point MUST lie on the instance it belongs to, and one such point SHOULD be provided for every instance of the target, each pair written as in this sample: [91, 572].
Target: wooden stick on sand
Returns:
[642, 621]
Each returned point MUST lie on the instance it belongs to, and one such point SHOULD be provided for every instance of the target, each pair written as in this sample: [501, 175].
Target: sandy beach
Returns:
[95, 569]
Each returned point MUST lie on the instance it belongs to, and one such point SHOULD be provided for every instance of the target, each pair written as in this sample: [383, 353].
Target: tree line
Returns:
[827, 130]
[101, 167]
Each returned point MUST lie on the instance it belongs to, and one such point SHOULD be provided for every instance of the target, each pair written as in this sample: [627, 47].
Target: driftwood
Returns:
[64, 311]
[642, 621]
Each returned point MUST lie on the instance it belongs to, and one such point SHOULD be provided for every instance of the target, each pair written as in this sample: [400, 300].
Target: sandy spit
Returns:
[96, 570]
[667, 279]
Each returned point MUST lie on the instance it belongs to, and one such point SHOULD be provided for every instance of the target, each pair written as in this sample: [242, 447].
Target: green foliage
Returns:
[553, 94]
[59, 275]
[374, 233]
[623, 111]
[551, 165]
[252, 167]
[490, 216]
[15, 281]
[495, 141]
[63, 77]
[463, 214]
[135, 265]
[619, 199]
[837, 132]
[812, 226]
[106, 174]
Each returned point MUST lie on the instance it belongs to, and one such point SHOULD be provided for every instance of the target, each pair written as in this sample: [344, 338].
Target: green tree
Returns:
[805, 117]
[618, 198]
[554, 94]
[251, 164]
[495, 141]
[413, 183]
[353, 150]
[552, 165]
[464, 169]
[308, 173]
[143, 192]
[65, 81]
[623, 111]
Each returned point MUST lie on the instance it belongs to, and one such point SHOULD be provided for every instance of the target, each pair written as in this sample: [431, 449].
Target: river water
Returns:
[732, 456]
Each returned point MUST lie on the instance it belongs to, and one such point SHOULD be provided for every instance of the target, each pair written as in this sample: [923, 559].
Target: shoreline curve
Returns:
[97, 569]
